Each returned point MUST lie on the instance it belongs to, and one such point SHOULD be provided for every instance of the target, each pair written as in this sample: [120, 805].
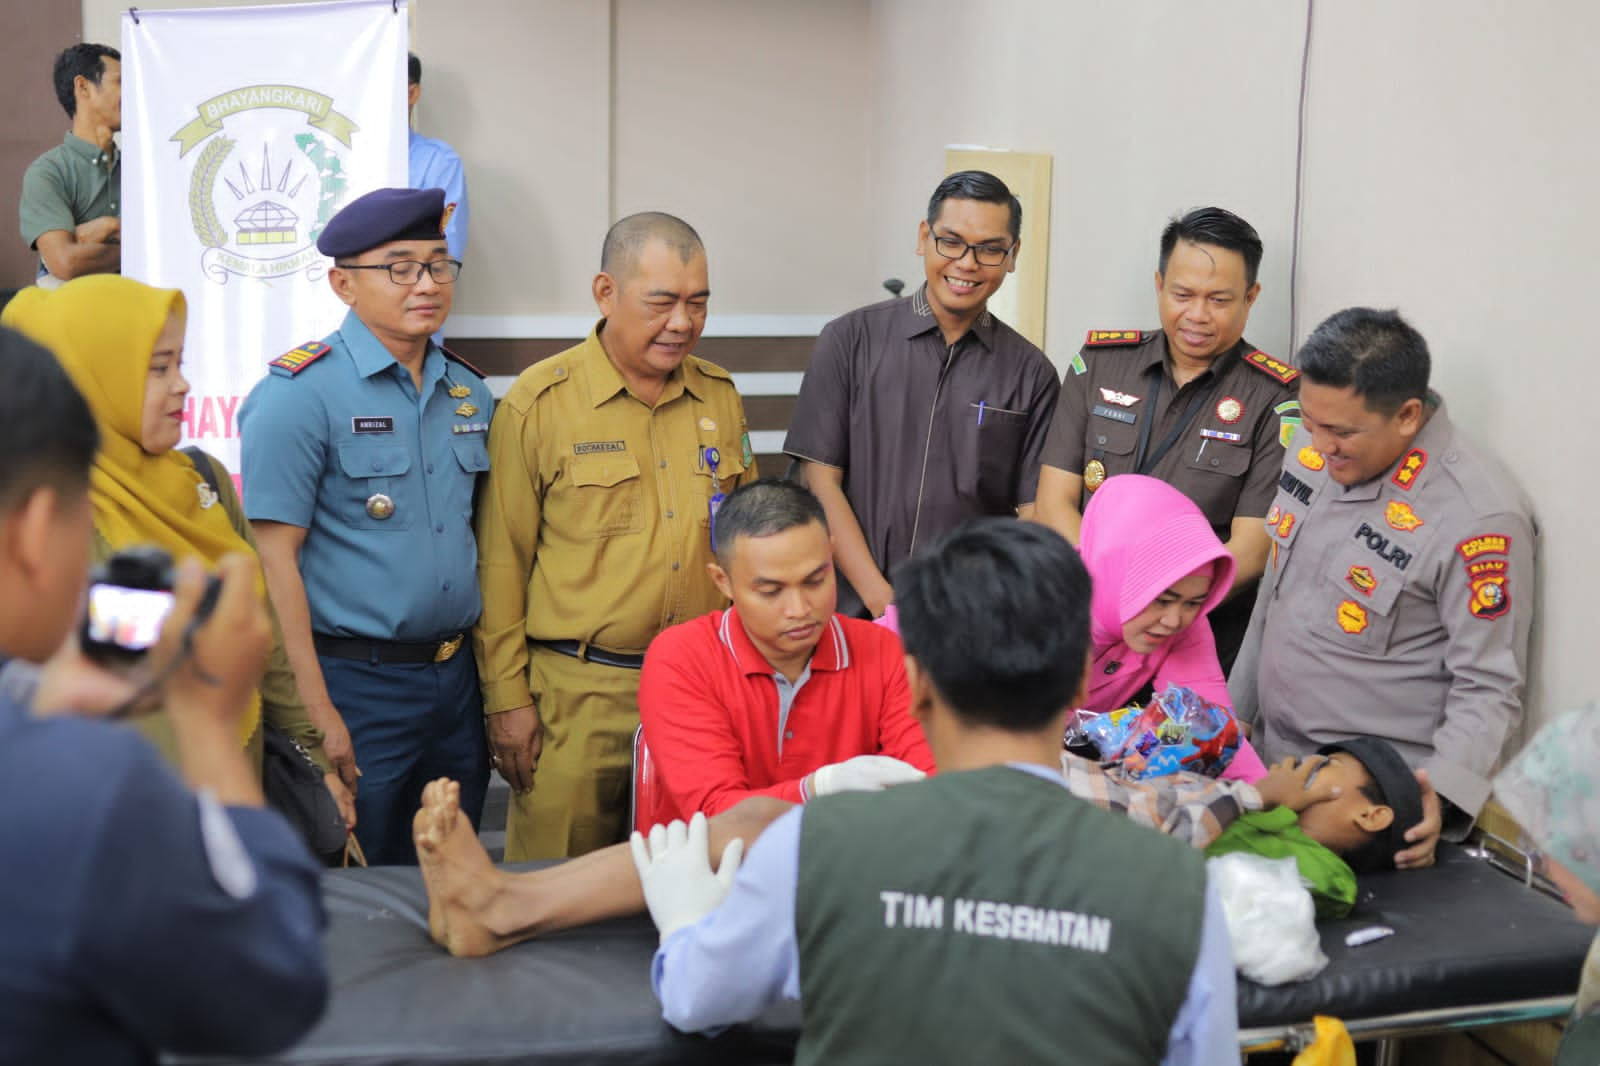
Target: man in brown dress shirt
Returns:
[1192, 403]
[919, 413]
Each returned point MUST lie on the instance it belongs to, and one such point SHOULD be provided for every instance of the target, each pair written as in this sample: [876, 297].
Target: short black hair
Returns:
[761, 509]
[413, 69]
[996, 613]
[85, 59]
[977, 185]
[47, 432]
[1375, 352]
[1219, 228]
[628, 237]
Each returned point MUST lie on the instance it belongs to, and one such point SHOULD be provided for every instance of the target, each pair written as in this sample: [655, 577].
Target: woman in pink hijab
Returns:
[1158, 570]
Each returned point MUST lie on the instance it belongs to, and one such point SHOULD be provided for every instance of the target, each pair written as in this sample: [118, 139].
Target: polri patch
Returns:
[1352, 617]
[1116, 414]
[590, 447]
[1405, 475]
[372, 424]
[1484, 544]
[1400, 516]
[1491, 596]
[297, 359]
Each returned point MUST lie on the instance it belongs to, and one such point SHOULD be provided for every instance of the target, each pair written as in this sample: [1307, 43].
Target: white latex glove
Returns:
[864, 773]
[675, 873]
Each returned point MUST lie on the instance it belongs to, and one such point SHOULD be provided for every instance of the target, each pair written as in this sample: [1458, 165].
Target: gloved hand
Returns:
[675, 873]
[864, 773]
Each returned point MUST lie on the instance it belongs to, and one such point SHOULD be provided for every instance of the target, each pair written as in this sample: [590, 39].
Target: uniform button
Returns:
[1450, 457]
[788, 734]
[430, 468]
[561, 371]
[376, 466]
[1216, 462]
[674, 566]
[1100, 440]
[669, 514]
[439, 528]
[446, 586]
[663, 464]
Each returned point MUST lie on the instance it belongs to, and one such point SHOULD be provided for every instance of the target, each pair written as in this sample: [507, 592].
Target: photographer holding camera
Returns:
[137, 915]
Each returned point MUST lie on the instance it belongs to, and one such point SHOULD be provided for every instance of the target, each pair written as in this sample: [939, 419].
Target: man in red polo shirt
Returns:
[778, 695]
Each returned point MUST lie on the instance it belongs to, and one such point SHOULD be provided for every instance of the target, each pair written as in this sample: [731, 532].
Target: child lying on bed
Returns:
[1342, 811]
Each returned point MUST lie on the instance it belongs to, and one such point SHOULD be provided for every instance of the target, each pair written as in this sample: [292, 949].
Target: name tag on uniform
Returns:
[589, 447]
[1116, 414]
[373, 424]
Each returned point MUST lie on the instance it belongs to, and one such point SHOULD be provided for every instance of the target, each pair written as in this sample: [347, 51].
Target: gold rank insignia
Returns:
[444, 219]
[708, 425]
[459, 392]
[467, 410]
[1094, 474]
[380, 506]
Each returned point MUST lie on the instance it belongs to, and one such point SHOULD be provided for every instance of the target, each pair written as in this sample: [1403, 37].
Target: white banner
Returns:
[244, 130]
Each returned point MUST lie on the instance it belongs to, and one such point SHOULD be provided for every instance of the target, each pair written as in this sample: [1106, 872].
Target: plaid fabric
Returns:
[1193, 808]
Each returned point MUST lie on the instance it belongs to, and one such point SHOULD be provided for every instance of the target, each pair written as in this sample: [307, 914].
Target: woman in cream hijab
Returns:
[1552, 789]
[122, 343]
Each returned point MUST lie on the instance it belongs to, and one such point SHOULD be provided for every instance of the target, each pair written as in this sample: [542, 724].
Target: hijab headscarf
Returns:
[1552, 790]
[103, 328]
[1140, 537]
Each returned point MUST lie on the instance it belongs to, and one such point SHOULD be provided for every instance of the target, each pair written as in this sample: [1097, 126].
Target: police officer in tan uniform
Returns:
[594, 534]
[1397, 600]
[1192, 403]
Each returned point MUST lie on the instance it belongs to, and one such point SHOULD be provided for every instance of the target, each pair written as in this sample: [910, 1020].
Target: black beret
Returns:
[381, 216]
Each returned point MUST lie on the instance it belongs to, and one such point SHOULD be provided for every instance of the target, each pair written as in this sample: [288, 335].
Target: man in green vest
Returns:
[984, 914]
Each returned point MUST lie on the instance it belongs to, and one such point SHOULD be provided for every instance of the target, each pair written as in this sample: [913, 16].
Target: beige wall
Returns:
[570, 113]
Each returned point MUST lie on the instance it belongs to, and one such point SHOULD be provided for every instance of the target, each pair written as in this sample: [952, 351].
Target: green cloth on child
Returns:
[1276, 834]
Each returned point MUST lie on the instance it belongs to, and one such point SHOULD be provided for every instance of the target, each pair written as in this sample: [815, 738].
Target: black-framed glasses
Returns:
[409, 271]
[989, 255]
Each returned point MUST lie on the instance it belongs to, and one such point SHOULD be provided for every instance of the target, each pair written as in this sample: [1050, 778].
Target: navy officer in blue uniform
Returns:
[360, 454]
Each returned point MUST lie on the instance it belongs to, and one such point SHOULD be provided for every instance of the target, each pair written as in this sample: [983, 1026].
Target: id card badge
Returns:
[712, 458]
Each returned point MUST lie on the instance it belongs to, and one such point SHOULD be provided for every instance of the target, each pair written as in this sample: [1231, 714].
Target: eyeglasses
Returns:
[989, 255]
[409, 271]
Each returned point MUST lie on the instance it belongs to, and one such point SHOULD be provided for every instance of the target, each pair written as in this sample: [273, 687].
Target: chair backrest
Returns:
[646, 786]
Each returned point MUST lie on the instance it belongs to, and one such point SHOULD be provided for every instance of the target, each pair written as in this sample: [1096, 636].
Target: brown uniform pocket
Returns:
[607, 495]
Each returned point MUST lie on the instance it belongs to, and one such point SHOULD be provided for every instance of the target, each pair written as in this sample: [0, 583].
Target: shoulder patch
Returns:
[454, 358]
[298, 359]
[710, 369]
[1104, 338]
[1269, 366]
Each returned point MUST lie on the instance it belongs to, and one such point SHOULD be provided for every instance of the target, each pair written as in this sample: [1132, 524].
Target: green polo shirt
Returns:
[73, 183]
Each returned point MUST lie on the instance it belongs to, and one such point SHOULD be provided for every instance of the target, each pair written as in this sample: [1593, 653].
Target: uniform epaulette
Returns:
[1106, 338]
[454, 358]
[541, 376]
[297, 359]
[710, 369]
[1280, 372]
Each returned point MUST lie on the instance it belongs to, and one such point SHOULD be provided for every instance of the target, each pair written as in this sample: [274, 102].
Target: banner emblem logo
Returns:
[263, 183]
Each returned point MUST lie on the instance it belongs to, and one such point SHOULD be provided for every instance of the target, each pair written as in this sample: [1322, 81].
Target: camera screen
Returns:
[125, 617]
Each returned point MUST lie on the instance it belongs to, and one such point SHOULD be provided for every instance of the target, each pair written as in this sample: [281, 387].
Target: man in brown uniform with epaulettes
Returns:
[1192, 403]
[594, 531]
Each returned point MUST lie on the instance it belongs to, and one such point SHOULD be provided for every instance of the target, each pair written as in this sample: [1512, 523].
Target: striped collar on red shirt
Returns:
[832, 651]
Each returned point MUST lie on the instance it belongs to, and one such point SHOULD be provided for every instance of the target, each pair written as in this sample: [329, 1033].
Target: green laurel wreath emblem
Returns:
[202, 180]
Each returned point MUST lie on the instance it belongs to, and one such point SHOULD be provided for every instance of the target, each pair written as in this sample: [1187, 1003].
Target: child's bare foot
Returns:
[461, 880]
